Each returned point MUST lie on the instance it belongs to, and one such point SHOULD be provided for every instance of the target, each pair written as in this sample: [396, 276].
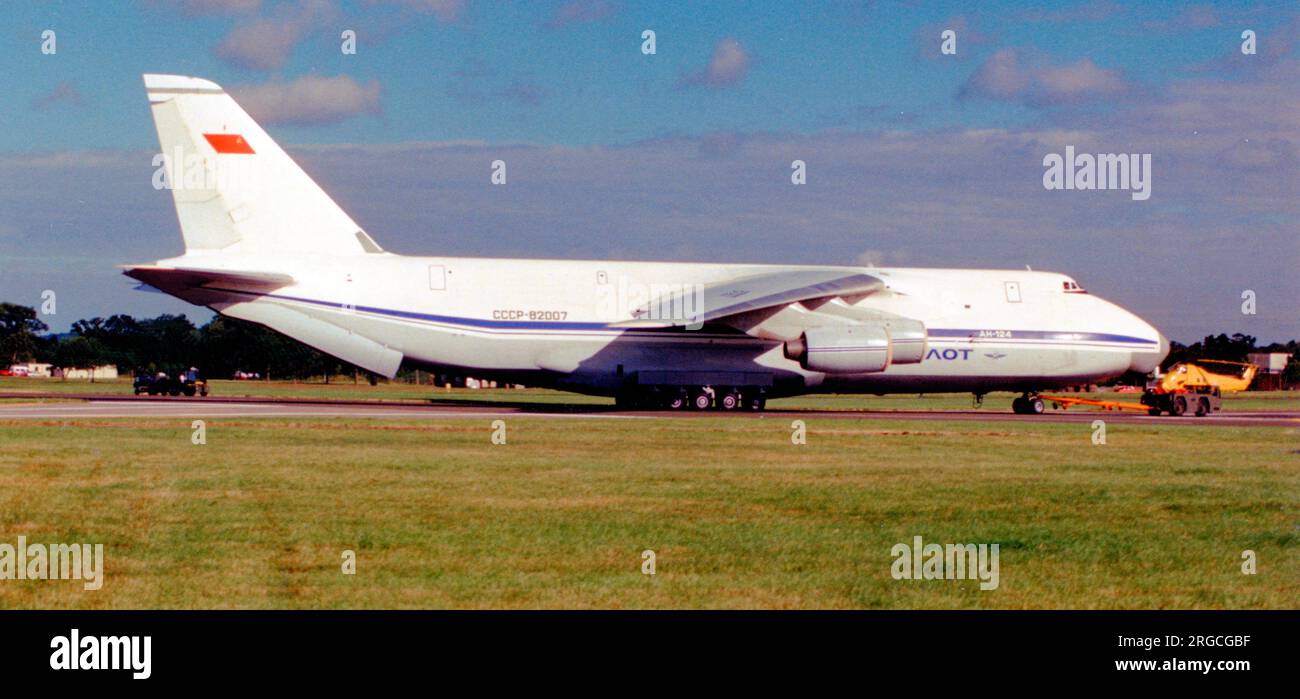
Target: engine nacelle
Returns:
[845, 349]
[861, 348]
[908, 340]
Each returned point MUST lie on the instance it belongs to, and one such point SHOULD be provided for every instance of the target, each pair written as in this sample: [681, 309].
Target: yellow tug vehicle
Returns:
[1194, 387]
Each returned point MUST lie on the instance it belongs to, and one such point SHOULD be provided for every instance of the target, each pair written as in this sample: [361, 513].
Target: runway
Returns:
[95, 407]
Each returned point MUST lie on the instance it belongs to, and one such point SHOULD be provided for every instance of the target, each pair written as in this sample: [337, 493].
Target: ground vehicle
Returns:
[189, 383]
[159, 384]
[192, 382]
[1194, 387]
[1198, 400]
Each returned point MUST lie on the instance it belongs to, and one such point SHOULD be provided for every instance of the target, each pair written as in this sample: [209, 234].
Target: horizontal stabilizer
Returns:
[168, 278]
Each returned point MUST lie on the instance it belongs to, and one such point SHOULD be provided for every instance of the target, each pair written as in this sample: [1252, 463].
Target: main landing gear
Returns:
[694, 398]
[1028, 404]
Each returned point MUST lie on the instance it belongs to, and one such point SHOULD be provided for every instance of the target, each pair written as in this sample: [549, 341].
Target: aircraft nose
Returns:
[1149, 361]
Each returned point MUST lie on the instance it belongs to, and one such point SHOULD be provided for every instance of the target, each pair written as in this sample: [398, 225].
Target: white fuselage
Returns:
[550, 322]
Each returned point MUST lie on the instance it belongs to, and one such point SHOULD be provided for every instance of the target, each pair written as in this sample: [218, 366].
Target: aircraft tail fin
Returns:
[235, 189]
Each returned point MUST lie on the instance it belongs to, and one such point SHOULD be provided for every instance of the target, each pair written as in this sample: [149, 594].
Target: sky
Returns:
[914, 157]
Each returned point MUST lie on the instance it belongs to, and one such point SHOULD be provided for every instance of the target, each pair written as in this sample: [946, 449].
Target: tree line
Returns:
[226, 345]
[165, 343]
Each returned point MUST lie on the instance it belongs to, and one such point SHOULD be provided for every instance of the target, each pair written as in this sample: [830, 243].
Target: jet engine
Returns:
[861, 348]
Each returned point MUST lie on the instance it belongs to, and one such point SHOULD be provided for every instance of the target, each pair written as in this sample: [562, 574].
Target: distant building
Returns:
[37, 370]
[99, 373]
[1269, 362]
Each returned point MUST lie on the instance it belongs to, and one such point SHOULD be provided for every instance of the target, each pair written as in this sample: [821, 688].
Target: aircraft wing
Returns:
[745, 297]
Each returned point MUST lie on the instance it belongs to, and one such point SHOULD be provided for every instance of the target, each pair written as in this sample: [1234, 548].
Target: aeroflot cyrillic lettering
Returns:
[948, 354]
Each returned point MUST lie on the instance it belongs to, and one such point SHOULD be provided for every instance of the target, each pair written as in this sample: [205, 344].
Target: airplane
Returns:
[265, 244]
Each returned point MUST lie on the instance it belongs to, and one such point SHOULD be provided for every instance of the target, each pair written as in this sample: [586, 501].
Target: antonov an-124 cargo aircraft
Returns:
[265, 244]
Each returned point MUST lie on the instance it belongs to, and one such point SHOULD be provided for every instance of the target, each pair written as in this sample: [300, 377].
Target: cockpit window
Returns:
[1069, 287]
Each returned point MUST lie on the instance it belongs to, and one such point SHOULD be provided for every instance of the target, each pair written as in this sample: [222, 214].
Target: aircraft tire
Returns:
[701, 400]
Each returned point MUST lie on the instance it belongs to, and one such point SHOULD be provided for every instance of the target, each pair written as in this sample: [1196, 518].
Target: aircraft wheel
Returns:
[1018, 406]
[676, 402]
[1035, 406]
[701, 400]
[1180, 407]
[1154, 412]
[729, 401]
[1202, 408]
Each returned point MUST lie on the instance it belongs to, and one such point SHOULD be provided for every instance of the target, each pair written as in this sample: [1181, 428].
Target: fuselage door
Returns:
[1013, 291]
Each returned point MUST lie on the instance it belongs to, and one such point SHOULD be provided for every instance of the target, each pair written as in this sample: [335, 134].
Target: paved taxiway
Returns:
[131, 407]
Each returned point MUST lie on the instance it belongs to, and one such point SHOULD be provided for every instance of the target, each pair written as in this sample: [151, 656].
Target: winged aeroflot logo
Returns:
[229, 143]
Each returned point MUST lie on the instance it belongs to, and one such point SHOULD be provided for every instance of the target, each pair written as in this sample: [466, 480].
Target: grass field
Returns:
[440, 517]
[343, 388]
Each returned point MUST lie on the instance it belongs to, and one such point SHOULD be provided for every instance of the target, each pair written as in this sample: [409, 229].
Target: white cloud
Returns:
[1077, 81]
[1000, 77]
[1005, 76]
[311, 100]
[265, 43]
[728, 66]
